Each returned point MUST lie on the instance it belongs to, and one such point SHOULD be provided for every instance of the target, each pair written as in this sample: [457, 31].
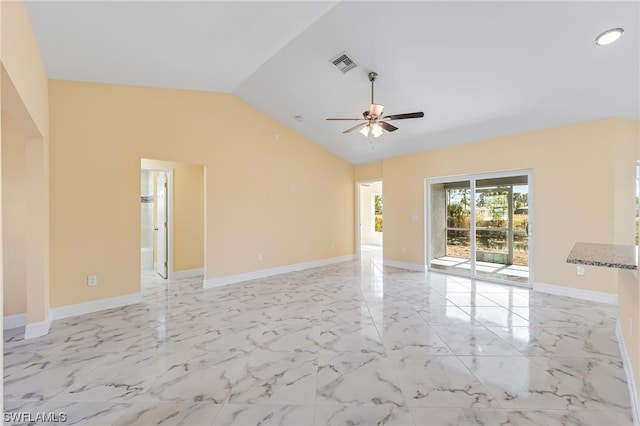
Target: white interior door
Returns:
[161, 228]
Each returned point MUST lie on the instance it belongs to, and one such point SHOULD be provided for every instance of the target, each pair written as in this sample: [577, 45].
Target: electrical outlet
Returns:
[333, 246]
[92, 280]
[580, 270]
[260, 257]
[404, 250]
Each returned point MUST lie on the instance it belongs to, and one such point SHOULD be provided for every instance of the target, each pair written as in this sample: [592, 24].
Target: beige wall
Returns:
[574, 191]
[628, 139]
[188, 213]
[626, 153]
[101, 132]
[14, 210]
[370, 171]
[22, 62]
[629, 313]
[25, 101]
[367, 234]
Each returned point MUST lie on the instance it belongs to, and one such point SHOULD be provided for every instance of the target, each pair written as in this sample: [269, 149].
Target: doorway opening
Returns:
[480, 226]
[370, 218]
[172, 217]
[156, 208]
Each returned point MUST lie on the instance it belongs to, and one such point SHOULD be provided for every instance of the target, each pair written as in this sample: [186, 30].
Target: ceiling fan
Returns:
[373, 122]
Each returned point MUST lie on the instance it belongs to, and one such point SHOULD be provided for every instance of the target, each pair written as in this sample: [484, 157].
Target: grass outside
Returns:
[520, 222]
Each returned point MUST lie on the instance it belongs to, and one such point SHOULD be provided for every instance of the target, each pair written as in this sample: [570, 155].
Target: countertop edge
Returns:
[602, 264]
[612, 255]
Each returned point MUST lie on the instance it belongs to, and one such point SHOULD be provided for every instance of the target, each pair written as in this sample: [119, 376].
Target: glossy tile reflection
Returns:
[351, 343]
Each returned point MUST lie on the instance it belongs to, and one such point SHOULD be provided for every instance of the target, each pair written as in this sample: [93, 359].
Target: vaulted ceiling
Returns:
[477, 69]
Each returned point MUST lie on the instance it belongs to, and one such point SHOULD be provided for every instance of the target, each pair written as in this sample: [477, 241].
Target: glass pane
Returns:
[450, 227]
[521, 226]
[501, 228]
[520, 249]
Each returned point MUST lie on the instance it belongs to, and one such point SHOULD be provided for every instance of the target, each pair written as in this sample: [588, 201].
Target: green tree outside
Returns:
[377, 206]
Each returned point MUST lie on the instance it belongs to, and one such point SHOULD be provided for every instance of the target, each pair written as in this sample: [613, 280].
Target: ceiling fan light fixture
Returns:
[373, 129]
[376, 130]
[609, 36]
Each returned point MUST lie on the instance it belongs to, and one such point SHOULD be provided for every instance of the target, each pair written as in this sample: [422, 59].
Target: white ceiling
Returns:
[477, 69]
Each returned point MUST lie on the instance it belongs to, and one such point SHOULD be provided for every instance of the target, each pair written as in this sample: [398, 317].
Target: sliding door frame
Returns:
[472, 179]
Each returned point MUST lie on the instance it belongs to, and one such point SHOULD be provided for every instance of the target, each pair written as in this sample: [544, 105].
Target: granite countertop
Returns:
[607, 255]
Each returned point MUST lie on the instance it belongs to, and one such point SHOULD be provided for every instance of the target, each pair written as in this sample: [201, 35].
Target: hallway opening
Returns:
[370, 211]
[171, 220]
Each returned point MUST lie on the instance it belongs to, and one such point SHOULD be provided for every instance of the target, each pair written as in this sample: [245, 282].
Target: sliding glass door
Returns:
[480, 227]
[502, 212]
[451, 218]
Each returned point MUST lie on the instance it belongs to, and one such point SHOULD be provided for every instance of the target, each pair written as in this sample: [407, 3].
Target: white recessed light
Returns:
[609, 36]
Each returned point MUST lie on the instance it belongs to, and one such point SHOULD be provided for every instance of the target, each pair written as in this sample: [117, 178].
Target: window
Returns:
[377, 212]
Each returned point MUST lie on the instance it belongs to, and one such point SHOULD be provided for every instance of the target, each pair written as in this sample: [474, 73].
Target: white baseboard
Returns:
[95, 306]
[263, 273]
[628, 369]
[188, 273]
[402, 265]
[577, 293]
[41, 328]
[14, 321]
[37, 329]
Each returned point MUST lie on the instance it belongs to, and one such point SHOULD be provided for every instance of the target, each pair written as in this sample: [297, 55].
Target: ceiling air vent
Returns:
[344, 62]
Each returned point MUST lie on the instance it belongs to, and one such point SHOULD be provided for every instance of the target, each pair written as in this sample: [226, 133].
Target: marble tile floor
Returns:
[353, 343]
